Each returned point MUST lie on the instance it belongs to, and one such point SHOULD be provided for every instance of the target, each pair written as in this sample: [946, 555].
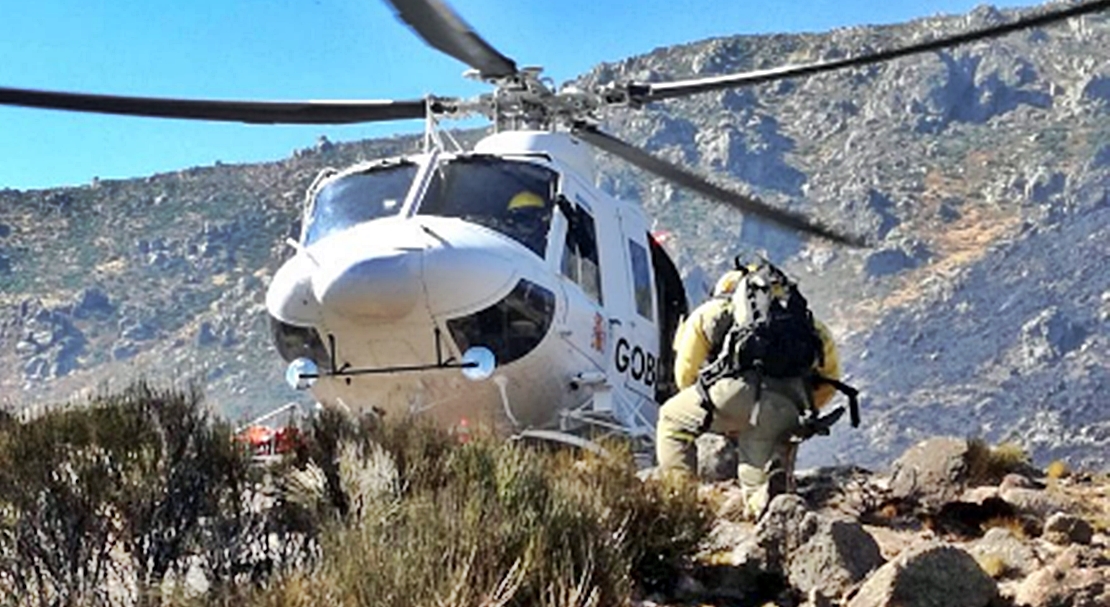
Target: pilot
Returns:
[765, 448]
[526, 220]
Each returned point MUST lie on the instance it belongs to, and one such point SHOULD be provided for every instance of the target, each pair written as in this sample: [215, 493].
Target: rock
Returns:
[1047, 337]
[1056, 587]
[1097, 89]
[1065, 529]
[1078, 556]
[1043, 187]
[5, 230]
[1000, 548]
[814, 552]
[205, 335]
[27, 347]
[938, 575]
[124, 351]
[717, 458]
[889, 261]
[1014, 480]
[92, 302]
[977, 495]
[816, 599]
[839, 555]
[932, 472]
[139, 331]
[1035, 501]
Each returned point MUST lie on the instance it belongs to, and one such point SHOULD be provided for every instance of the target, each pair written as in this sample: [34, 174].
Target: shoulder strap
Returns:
[851, 392]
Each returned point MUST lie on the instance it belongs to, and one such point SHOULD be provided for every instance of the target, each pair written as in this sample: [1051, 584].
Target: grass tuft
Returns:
[1057, 470]
[987, 465]
[994, 565]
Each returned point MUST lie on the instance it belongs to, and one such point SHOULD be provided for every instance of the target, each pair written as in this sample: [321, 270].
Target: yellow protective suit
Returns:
[692, 344]
[760, 446]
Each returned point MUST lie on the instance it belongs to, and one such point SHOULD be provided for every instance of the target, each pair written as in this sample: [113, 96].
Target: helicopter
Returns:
[496, 285]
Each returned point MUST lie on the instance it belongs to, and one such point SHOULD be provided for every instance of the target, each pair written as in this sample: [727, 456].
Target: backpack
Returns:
[768, 328]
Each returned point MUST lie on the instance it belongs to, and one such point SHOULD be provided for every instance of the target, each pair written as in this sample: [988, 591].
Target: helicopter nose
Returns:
[384, 287]
[467, 268]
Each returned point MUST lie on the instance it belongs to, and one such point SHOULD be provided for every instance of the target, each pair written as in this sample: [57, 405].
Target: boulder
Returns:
[1001, 550]
[1065, 529]
[92, 302]
[206, 336]
[717, 458]
[937, 575]
[932, 472]
[1054, 586]
[1037, 502]
[1047, 337]
[815, 553]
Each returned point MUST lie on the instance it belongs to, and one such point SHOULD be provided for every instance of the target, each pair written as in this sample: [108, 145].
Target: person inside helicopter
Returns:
[513, 198]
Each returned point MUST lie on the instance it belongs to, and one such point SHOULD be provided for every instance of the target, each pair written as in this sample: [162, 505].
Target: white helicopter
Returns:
[504, 262]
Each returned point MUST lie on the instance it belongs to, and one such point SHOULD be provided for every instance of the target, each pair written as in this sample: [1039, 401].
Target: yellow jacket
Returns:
[692, 344]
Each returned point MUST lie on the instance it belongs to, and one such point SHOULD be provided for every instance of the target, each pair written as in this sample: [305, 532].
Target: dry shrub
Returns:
[994, 565]
[1018, 526]
[129, 488]
[1057, 470]
[987, 465]
[429, 521]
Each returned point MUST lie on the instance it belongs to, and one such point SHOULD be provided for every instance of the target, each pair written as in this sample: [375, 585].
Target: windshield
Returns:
[511, 197]
[358, 198]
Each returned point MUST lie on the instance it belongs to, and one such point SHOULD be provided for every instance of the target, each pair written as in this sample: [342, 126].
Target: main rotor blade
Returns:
[444, 30]
[590, 134]
[253, 112]
[645, 92]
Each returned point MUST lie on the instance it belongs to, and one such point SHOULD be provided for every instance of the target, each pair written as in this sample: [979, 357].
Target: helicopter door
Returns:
[636, 346]
[587, 328]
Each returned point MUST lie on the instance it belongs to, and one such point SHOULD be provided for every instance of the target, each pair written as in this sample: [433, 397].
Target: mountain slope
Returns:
[980, 172]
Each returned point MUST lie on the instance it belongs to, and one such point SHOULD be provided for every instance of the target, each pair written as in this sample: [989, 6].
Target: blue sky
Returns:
[318, 49]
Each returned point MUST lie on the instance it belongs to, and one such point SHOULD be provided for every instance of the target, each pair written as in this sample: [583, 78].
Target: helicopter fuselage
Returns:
[404, 264]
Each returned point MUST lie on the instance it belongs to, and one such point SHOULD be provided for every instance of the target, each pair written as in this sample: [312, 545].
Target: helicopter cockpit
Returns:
[513, 198]
[359, 197]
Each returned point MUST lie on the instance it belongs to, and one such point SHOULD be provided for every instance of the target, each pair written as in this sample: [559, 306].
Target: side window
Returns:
[580, 260]
[641, 280]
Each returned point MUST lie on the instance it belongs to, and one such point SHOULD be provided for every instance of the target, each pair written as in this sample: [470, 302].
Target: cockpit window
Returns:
[358, 198]
[511, 197]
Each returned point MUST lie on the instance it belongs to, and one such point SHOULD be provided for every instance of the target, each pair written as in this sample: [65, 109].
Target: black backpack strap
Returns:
[706, 403]
[849, 391]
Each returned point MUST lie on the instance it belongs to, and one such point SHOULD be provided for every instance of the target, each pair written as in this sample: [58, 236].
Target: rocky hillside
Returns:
[954, 523]
[980, 173]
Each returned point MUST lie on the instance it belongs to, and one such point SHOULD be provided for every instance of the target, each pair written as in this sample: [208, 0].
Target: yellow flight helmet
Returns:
[526, 200]
[726, 284]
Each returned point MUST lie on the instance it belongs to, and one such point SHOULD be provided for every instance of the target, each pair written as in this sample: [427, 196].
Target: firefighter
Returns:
[763, 411]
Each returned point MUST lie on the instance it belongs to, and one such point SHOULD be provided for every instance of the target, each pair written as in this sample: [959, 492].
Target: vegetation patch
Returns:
[144, 498]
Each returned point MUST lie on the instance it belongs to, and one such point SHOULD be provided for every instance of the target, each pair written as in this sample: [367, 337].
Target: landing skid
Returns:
[560, 438]
[596, 420]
